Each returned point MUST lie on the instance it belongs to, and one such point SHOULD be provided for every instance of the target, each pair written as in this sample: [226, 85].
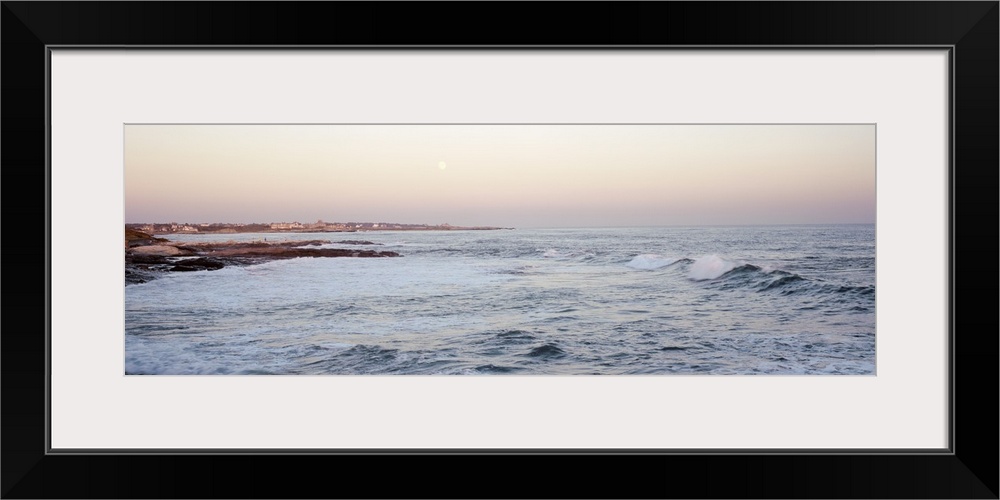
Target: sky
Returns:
[501, 175]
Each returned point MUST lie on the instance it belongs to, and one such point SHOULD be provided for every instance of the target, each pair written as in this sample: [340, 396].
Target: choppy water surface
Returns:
[640, 301]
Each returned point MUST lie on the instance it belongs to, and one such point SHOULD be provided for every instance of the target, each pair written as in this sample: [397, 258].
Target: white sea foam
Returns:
[650, 261]
[710, 267]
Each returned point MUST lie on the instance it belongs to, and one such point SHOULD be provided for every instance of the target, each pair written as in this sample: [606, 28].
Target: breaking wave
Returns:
[709, 267]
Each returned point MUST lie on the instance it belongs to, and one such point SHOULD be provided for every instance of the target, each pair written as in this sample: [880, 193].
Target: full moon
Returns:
[441, 165]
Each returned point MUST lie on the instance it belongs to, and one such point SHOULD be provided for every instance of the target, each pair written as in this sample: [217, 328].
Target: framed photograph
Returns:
[731, 252]
[580, 249]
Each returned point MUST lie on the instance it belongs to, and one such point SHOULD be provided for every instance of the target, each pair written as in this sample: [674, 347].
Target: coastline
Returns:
[148, 257]
[156, 229]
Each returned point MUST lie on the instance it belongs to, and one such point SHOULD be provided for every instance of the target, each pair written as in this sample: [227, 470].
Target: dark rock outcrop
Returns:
[138, 258]
[356, 242]
[294, 252]
[145, 262]
[198, 264]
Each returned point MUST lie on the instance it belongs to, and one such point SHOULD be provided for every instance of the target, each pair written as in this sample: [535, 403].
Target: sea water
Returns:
[786, 300]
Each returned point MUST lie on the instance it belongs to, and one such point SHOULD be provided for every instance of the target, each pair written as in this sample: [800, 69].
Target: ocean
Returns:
[651, 301]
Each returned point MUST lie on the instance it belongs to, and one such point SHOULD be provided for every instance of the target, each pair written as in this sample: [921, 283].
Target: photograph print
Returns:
[500, 250]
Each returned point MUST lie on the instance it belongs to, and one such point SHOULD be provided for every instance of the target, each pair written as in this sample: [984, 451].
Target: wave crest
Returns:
[709, 267]
[650, 261]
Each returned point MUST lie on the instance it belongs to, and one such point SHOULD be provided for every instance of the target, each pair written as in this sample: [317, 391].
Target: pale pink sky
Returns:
[503, 175]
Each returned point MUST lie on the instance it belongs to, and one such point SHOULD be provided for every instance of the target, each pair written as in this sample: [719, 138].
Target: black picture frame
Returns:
[968, 470]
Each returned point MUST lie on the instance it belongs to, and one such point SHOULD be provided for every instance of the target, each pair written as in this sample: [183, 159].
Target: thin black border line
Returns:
[489, 451]
[948, 450]
[950, 250]
[502, 123]
[560, 48]
[875, 264]
[48, 249]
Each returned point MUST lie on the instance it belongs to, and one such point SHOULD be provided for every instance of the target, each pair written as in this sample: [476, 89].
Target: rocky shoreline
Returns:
[148, 257]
